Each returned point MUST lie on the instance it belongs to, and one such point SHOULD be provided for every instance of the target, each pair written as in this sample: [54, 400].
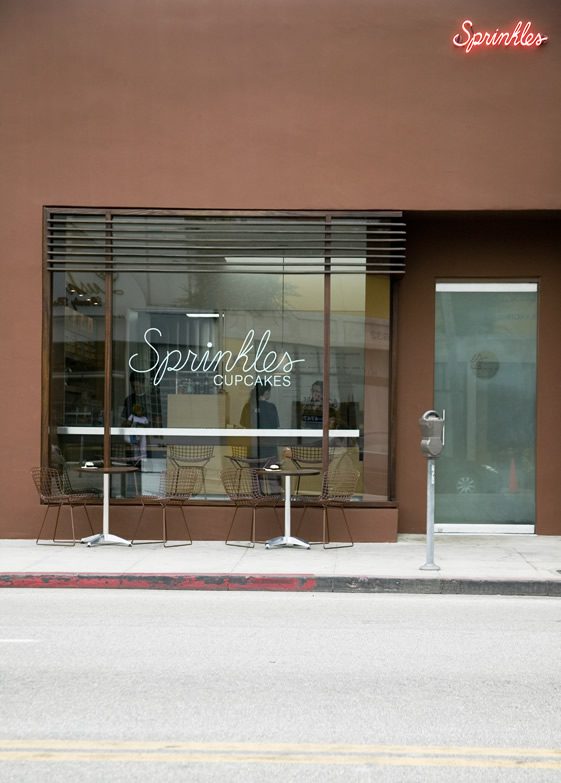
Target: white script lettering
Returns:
[252, 357]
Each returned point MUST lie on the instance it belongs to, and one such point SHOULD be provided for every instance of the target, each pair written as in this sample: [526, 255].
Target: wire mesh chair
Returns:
[308, 457]
[242, 486]
[121, 454]
[58, 461]
[192, 456]
[55, 491]
[338, 486]
[269, 485]
[176, 488]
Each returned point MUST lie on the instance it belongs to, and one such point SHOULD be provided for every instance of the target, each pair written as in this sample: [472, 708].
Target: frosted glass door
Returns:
[485, 380]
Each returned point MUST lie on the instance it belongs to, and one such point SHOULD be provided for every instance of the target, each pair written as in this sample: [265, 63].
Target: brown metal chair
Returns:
[269, 485]
[338, 486]
[55, 490]
[242, 486]
[192, 456]
[177, 487]
[308, 457]
[121, 454]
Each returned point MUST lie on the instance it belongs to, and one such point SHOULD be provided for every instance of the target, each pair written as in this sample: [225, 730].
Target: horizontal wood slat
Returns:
[372, 243]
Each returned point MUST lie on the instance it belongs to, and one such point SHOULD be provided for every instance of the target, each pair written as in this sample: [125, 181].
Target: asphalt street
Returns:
[147, 685]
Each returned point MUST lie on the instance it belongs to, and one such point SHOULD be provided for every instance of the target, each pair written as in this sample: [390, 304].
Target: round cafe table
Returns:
[105, 537]
[287, 539]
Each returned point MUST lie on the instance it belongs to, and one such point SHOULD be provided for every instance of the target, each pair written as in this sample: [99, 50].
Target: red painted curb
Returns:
[283, 583]
[273, 582]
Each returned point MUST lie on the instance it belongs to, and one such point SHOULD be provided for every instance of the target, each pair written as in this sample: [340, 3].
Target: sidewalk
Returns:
[490, 565]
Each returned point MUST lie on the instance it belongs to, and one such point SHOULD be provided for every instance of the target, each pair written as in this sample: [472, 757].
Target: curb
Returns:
[304, 583]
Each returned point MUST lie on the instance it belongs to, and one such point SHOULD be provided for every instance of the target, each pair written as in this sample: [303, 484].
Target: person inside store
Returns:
[148, 402]
[140, 409]
[137, 418]
[260, 413]
[312, 409]
[311, 413]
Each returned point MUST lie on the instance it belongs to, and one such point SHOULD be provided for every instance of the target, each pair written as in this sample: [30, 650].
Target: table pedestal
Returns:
[105, 537]
[287, 539]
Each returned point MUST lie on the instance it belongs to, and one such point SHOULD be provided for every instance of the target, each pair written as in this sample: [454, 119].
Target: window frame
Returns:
[109, 266]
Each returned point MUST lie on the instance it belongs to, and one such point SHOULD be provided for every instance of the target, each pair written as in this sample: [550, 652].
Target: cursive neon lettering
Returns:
[521, 35]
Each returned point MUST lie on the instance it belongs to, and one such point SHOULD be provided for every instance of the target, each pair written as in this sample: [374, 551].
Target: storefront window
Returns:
[217, 358]
[202, 358]
[359, 377]
[77, 369]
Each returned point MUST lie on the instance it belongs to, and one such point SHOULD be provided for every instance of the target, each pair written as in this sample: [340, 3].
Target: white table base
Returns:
[105, 537]
[287, 539]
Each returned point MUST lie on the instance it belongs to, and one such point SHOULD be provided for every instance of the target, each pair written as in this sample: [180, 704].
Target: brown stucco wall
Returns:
[278, 104]
[447, 247]
[246, 104]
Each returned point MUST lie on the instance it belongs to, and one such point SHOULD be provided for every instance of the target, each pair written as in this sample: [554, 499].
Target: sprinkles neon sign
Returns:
[521, 35]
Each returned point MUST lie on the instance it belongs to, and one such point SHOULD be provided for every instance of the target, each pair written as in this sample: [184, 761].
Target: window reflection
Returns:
[191, 348]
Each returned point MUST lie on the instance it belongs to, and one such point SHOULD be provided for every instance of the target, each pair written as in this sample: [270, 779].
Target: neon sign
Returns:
[522, 35]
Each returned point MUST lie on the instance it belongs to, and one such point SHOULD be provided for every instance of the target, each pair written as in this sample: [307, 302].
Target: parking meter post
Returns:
[432, 443]
[430, 565]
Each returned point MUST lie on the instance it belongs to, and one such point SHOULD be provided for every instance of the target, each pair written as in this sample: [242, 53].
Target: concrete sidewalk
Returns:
[493, 564]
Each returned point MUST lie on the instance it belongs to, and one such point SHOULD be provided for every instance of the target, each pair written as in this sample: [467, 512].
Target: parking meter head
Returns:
[431, 425]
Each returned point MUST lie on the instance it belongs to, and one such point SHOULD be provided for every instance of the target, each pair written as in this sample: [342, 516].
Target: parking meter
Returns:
[432, 443]
[432, 434]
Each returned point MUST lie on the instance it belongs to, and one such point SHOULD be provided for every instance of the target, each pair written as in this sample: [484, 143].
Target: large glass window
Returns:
[359, 377]
[77, 370]
[218, 359]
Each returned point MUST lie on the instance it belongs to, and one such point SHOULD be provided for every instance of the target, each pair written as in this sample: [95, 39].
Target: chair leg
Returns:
[72, 523]
[326, 544]
[227, 542]
[253, 515]
[187, 543]
[62, 541]
[89, 520]
[251, 545]
[279, 523]
[348, 527]
[137, 528]
[296, 533]
[138, 524]
[37, 541]
[204, 483]
[53, 541]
